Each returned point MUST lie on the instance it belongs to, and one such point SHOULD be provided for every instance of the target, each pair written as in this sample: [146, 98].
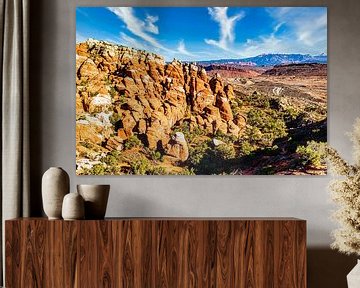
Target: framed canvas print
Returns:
[201, 90]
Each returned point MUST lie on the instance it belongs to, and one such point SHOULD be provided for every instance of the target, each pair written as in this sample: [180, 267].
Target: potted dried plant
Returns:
[345, 192]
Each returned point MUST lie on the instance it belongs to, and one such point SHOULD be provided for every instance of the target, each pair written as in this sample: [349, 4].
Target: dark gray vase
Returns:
[96, 198]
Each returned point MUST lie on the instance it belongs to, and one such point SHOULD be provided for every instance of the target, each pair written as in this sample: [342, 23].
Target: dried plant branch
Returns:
[345, 191]
[355, 138]
[337, 164]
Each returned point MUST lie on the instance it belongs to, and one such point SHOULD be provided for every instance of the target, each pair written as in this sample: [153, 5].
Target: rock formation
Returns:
[178, 147]
[123, 91]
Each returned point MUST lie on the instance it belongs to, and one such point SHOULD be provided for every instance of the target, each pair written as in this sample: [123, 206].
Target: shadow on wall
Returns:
[328, 268]
[37, 10]
[138, 206]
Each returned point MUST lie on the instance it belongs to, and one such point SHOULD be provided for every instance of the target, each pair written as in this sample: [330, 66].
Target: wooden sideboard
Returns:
[156, 252]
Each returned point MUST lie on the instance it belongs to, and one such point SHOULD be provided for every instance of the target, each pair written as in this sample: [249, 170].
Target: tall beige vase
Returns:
[96, 198]
[55, 185]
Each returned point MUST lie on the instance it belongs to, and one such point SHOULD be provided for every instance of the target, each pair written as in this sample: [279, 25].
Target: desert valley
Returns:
[137, 114]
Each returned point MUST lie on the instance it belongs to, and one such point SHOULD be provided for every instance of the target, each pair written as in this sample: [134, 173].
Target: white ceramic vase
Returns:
[73, 207]
[353, 278]
[55, 185]
[96, 198]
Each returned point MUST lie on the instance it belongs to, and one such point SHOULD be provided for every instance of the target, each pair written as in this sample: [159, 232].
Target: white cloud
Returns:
[182, 49]
[305, 33]
[80, 38]
[151, 27]
[264, 45]
[126, 40]
[281, 11]
[277, 27]
[226, 25]
[309, 25]
[138, 27]
[313, 31]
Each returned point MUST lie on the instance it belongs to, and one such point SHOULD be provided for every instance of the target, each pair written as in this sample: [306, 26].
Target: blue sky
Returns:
[204, 33]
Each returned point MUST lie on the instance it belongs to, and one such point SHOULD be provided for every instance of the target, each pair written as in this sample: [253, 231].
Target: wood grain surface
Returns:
[241, 253]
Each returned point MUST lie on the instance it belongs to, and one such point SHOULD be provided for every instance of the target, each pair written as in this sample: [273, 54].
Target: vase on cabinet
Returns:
[353, 278]
[96, 198]
[55, 185]
[73, 207]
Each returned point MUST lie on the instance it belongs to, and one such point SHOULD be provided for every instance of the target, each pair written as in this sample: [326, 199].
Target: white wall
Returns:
[53, 127]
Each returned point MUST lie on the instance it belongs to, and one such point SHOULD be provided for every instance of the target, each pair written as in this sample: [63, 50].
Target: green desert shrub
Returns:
[122, 99]
[227, 138]
[291, 113]
[188, 171]
[156, 155]
[264, 127]
[310, 108]
[259, 100]
[140, 167]
[84, 82]
[114, 118]
[225, 152]
[107, 80]
[246, 148]
[86, 144]
[156, 170]
[190, 134]
[314, 153]
[115, 153]
[81, 117]
[92, 94]
[204, 159]
[97, 169]
[145, 167]
[239, 102]
[235, 111]
[184, 127]
[132, 142]
[197, 153]
[113, 170]
[112, 92]
[236, 105]
[110, 160]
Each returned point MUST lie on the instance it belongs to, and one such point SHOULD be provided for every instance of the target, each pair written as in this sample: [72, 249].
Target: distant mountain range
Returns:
[271, 60]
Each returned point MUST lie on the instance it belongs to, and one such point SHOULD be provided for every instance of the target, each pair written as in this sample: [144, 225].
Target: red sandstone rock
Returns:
[150, 96]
